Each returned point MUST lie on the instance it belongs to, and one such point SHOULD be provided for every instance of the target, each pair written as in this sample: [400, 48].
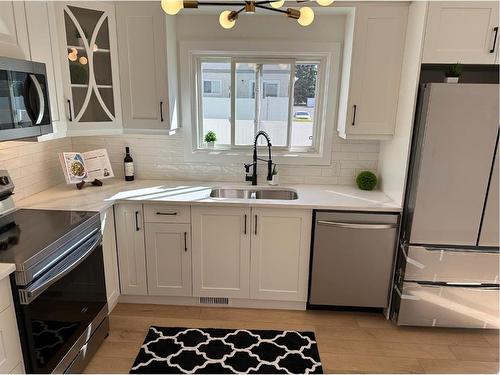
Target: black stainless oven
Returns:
[24, 99]
[59, 287]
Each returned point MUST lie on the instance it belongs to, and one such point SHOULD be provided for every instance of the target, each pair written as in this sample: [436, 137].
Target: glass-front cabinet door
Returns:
[90, 67]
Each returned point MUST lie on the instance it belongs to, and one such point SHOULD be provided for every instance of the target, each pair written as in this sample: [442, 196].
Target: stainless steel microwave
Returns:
[24, 99]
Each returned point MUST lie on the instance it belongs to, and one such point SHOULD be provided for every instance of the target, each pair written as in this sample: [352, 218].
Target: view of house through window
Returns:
[278, 97]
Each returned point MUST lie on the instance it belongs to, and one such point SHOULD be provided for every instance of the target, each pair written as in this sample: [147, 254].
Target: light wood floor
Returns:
[348, 342]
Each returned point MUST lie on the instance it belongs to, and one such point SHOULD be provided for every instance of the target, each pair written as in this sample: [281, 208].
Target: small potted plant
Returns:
[275, 180]
[454, 72]
[210, 138]
[366, 180]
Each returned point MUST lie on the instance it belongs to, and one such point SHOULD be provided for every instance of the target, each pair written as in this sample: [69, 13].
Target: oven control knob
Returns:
[4, 180]
[4, 245]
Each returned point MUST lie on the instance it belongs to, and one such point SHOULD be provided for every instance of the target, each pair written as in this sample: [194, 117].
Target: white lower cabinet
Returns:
[131, 248]
[221, 251]
[110, 257]
[258, 253]
[280, 249]
[168, 255]
[11, 359]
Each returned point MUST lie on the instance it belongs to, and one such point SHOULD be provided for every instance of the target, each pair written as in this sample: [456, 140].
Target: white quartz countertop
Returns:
[6, 269]
[92, 198]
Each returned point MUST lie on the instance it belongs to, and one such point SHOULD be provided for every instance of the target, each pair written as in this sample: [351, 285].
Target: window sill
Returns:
[282, 157]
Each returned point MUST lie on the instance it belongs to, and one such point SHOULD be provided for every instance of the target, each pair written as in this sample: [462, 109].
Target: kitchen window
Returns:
[238, 96]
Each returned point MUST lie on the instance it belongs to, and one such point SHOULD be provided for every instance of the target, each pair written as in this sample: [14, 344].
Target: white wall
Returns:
[394, 154]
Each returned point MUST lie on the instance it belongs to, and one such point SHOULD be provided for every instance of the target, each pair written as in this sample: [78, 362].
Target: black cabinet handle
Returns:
[185, 242]
[161, 111]
[495, 29]
[69, 108]
[167, 213]
[255, 224]
[137, 221]
[245, 230]
[355, 108]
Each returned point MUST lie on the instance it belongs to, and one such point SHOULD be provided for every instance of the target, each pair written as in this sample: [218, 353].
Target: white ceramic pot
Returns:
[275, 181]
[210, 144]
[451, 79]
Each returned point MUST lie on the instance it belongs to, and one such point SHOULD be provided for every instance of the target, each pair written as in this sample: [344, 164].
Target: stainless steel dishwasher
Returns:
[352, 258]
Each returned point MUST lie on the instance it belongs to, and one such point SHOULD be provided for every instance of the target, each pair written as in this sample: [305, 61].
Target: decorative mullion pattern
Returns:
[92, 84]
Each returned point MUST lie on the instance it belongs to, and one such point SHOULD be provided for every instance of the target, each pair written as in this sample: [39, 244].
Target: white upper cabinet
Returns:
[281, 240]
[90, 67]
[41, 20]
[13, 32]
[131, 249]
[462, 31]
[221, 251]
[372, 71]
[142, 47]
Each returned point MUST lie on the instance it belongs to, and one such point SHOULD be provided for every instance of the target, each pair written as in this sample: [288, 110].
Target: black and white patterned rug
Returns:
[227, 351]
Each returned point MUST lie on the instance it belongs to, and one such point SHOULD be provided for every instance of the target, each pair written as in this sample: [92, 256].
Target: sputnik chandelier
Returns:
[227, 19]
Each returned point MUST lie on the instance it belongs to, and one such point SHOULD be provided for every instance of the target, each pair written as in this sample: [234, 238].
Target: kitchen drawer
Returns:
[160, 213]
[448, 306]
[10, 350]
[5, 294]
[451, 265]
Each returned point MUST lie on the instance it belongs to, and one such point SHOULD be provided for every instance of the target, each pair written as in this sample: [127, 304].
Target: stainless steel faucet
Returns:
[253, 176]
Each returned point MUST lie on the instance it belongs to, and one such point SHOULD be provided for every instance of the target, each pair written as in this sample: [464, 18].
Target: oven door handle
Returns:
[27, 295]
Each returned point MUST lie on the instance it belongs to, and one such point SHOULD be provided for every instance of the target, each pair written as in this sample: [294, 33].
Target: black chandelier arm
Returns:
[271, 9]
[222, 3]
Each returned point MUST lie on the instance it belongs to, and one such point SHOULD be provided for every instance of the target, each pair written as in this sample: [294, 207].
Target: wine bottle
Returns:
[129, 165]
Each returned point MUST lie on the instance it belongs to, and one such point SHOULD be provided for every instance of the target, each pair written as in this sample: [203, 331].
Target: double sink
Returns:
[254, 193]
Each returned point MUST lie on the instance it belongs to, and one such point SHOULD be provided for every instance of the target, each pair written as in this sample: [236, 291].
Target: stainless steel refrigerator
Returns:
[448, 255]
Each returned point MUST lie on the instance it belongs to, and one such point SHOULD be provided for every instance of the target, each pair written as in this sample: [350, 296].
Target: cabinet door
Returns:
[462, 31]
[131, 249]
[13, 31]
[221, 251]
[377, 58]
[168, 256]
[90, 66]
[10, 348]
[143, 70]
[281, 240]
[110, 257]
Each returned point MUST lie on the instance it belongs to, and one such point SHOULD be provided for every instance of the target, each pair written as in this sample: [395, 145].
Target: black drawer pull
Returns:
[495, 29]
[167, 213]
[185, 242]
[354, 109]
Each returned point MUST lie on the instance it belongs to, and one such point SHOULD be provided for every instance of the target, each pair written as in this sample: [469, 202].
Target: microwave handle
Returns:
[27, 295]
[41, 99]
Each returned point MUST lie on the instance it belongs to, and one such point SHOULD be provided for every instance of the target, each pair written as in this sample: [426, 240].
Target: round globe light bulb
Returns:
[325, 3]
[72, 56]
[83, 60]
[306, 16]
[172, 7]
[278, 4]
[74, 50]
[224, 20]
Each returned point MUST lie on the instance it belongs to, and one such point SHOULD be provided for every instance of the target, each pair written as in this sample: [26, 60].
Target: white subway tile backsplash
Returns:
[35, 166]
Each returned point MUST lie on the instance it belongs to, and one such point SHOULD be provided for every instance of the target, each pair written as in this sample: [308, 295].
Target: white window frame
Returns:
[327, 54]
